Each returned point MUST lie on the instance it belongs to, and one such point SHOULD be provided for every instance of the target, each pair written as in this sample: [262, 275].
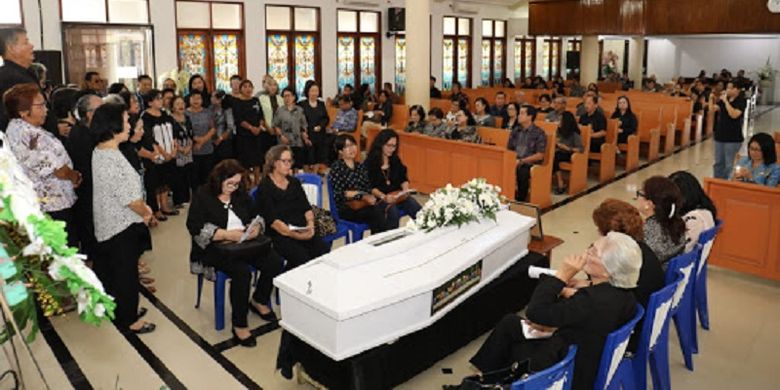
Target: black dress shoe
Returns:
[248, 342]
[270, 317]
[172, 212]
[147, 328]
[142, 312]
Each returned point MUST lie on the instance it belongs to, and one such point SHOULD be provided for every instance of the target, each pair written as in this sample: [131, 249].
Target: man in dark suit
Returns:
[435, 93]
[17, 52]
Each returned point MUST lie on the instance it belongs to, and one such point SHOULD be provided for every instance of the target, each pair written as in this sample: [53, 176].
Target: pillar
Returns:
[418, 48]
[589, 59]
[636, 54]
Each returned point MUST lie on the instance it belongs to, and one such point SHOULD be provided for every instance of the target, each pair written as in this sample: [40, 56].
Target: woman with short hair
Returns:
[290, 123]
[416, 120]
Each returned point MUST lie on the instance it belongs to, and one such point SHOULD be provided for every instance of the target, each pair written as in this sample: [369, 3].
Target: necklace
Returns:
[386, 174]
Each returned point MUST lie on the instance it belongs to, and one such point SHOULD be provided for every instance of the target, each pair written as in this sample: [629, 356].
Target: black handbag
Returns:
[497, 380]
[258, 247]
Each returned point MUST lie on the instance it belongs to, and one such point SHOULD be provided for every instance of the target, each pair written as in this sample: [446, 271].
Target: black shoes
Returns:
[270, 317]
[248, 342]
[147, 328]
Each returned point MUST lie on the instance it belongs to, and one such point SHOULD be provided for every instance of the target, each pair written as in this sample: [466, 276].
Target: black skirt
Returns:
[247, 151]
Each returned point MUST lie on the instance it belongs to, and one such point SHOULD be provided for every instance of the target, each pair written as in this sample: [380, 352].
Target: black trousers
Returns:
[68, 216]
[203, 166]
[116, 265]
[151, 181]
[410, 207]
[240, 274]
[379, 217]
[298, 252]
[561, 156]
[183, 184]
[523, 172]
[507, 344]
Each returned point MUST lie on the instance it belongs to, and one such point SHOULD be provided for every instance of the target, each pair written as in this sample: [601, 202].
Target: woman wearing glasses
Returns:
[284, 206]
[220, 213]
[389, 181]
[760, 165]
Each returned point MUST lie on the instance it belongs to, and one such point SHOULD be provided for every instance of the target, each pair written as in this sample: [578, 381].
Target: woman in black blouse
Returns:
[384, 108]
[627, 122]
[317, 119]
[283, 204]
[388, 174]
[221, 211]
[351, 185]
[253, 138]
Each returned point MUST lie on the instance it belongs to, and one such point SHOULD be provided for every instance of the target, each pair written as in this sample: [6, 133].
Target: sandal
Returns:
[146, 328]
[146, 280]
[151, 288]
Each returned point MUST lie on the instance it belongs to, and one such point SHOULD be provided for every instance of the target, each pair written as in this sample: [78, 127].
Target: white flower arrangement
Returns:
[450, 205]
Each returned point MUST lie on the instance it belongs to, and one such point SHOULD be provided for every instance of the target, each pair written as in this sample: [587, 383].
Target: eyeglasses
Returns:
[639, 194]
[232, 184]
[286, 160]
[754, 149]
[392, 146]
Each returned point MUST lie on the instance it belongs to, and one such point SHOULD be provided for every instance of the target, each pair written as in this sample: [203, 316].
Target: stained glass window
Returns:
[518, 47]
[485, 63]
[463, 62]
[400, 65]
[448, 49]
[226, 61]
[304, 61]
[546, 57]
[277, 59]
[367, 59]
[551, 56]
[193, 53]
[530, 57]
[498, 61]
[525, 56]
[346, 59]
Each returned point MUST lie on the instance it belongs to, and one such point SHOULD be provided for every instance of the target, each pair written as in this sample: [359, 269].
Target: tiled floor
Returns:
[739, 351]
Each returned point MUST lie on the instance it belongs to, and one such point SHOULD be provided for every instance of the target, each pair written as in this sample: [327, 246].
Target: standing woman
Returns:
[203, 133]
[252, 137]
[158, 138]
[225, 126]
[317, 123]
[388, 173]
[270, 100]
[119, 215]
[42, 156]
[568, 142]
[627, 122]
[512, 122]
[290, 123]
[198, 86]
[352, 190]
[182, 132]
[660, 204]
[283, 204]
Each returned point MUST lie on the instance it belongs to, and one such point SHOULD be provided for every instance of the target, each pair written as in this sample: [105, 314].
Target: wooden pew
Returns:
[443, 104]
[578, 167]
[333, 111]
[649, 131]
[434, 162]
[668, 127]
[494, 136]
[748, 241]
[606, 157]
[541, 174]
[400, 117]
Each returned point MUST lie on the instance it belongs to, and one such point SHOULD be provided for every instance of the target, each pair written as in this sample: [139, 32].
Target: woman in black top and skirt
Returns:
[220, 213]
[627, 122]
[161, 169]
[317, 120]
[388, 174]
[352, 190]
[252, 136]
[284, 206]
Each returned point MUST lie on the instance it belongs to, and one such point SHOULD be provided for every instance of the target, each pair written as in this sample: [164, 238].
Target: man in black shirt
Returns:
[730, 108]
[499, 109]
[435, 93]
[597, 121]
[17, 52]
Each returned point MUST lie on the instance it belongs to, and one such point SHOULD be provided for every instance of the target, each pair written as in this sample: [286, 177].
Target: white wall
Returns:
[163, 13]
[686, 56]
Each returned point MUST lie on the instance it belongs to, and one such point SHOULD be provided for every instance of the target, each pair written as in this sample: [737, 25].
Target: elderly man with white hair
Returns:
[581, 317]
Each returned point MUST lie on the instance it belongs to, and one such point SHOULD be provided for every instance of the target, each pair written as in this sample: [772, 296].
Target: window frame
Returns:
[291, 34]
[554, 42]
[210, 33]
[491, 78]
[357, 35]
[108, 20]
[456, 37]
[21, 17]
[523, 40]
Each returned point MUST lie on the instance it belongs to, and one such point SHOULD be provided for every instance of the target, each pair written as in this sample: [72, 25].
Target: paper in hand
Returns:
[252, 225]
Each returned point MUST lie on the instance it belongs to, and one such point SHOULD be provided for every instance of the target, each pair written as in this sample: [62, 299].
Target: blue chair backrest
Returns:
[657, 315]
[558, 376]
[614, 350]
[312, 179]
[684, 264]
[706, 239]
[332, 201]
[253, 192]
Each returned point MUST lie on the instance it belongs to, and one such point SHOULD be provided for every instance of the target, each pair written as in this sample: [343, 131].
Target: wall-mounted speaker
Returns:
[396, 19]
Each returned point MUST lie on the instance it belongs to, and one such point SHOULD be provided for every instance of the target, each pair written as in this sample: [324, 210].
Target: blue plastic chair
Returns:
[341, 229]
[682, 310]
[219, 296]
[653, 344]
[558, 376]
[706, 239]
[614, 370]
[356, 229]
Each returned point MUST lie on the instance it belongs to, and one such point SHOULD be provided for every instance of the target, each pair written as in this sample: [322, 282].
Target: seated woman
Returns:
[436, 126]
[352, 190]
[462, 130]
[545, 104]
[660, 204]
[372, 117]
[699, 213]
[760, 165]
[581, 317]
[627, 122]
[284, 205]
[388, 174]
[568, 142]
[513, 121]
[416, 120]
[481, 115]
[220, 212]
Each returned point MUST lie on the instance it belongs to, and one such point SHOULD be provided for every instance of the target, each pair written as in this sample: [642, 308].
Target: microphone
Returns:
[535, 272]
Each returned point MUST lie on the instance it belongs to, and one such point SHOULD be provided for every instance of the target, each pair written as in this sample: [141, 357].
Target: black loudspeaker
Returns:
[572, 60]
[52, 59]
[396, 19]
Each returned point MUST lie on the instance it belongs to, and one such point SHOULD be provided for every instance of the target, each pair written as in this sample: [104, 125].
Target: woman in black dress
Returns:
[627, 122]
[287, 211]
[389, 181]
[252, 137]
[317, 119]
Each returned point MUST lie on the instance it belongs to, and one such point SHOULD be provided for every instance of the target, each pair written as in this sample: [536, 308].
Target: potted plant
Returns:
[766, 82]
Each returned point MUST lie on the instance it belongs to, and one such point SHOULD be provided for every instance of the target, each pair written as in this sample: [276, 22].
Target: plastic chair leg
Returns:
[200, 288]
[624, 377]
[701, 300]
[659, 365]
[219, 300]
[357, 234]
[683, 327]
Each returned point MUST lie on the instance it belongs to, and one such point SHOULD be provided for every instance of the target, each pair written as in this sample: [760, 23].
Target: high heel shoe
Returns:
[248, 342]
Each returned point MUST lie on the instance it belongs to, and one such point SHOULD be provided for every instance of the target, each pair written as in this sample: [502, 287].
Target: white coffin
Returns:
[363, 295]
